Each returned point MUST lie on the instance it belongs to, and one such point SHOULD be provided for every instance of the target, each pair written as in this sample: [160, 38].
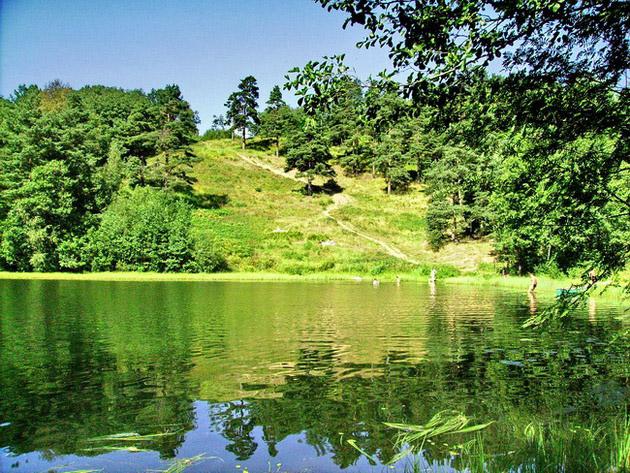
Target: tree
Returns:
[391, 162]
[276, 123]
[51, 158]
[65, 154]
[456, 184]
[139, 138]
[147, 229]
[275, 101]
[276, 119]
[310, 156]
[54, 95]
[219, 128]
[554, 208]
[242, 107]
[440, 41]
[219, 122]
[358, 153]
[177, 130]
[345, 115]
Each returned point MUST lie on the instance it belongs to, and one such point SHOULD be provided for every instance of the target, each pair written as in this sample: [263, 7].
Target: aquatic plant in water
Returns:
[537, 446]
[181, 464]
[411, 438]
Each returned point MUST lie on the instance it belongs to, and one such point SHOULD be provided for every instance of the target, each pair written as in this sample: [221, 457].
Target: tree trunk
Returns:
[389, 186]
[277, 147]
[143, 165]
[166, 171]
[454, 226]
[244, 138]
[309, 186]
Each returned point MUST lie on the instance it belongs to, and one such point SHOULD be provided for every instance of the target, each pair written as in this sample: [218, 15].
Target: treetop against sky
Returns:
[205, 47]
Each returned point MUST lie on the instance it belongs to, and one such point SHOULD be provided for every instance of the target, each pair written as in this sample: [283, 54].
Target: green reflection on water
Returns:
[80, 360]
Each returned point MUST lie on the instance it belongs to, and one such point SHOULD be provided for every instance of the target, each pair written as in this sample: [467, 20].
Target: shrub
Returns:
[216, 135]
[207, 259]
[549, 268]
[147, 229]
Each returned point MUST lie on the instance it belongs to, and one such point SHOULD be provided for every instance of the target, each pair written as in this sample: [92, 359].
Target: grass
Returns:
[533, 447]
[268, 230]
[244, 276]
[267, 224]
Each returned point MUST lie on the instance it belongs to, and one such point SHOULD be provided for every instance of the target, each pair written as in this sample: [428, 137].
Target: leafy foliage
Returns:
[310, 156]
[279, 120]
[242, 107]
[64, 156]
[556, 207]
[440, 41]
[148, 230]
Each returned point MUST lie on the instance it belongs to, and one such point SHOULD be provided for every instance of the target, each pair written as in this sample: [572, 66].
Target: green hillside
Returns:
[257, 216]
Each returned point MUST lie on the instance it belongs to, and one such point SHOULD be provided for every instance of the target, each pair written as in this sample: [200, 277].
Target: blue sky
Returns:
[204, 46]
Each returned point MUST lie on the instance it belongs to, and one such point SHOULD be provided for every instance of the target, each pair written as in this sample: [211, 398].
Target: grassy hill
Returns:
[259, 218]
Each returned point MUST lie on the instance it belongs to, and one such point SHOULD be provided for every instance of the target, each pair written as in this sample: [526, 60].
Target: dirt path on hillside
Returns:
[271, 169]
[339, 200]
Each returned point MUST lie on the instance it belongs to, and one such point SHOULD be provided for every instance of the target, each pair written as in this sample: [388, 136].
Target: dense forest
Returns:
[97, 179]
[515, 123]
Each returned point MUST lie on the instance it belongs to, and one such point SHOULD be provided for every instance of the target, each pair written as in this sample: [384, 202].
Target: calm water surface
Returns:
[259, 374]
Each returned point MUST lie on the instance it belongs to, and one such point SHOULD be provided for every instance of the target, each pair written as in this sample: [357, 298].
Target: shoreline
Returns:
[545, 284]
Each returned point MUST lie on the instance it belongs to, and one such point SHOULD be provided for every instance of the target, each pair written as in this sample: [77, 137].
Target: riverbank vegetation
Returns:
[455, 168]
[98, 179]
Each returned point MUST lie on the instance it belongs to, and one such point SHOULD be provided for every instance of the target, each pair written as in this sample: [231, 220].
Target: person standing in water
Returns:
[397, 280]
[433, 276]
[533, 305]
[533, 282]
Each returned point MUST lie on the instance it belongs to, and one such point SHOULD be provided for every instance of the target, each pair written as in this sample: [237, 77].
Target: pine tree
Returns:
[242, 106]
[277, 118]
[310, 156]
[275, 99]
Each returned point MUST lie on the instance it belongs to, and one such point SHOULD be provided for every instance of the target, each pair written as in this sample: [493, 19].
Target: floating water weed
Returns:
[113, 448]
[82, 471]
[413, 437]
[179, 465]
[371, 459]
[125, 437]
[442, 423]
[131, 437]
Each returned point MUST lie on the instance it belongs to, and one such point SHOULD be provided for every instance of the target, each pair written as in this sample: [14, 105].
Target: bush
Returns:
[147, 229]
[207, 259]
[400, 178]
[216, 135]
[443, 270]
[439, 218]
[378, 269]
[549, 268]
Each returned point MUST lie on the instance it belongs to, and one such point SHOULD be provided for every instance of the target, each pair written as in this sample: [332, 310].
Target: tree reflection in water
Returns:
[78, 361]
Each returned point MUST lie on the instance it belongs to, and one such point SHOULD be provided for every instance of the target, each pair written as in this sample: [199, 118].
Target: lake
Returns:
[266, 377]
